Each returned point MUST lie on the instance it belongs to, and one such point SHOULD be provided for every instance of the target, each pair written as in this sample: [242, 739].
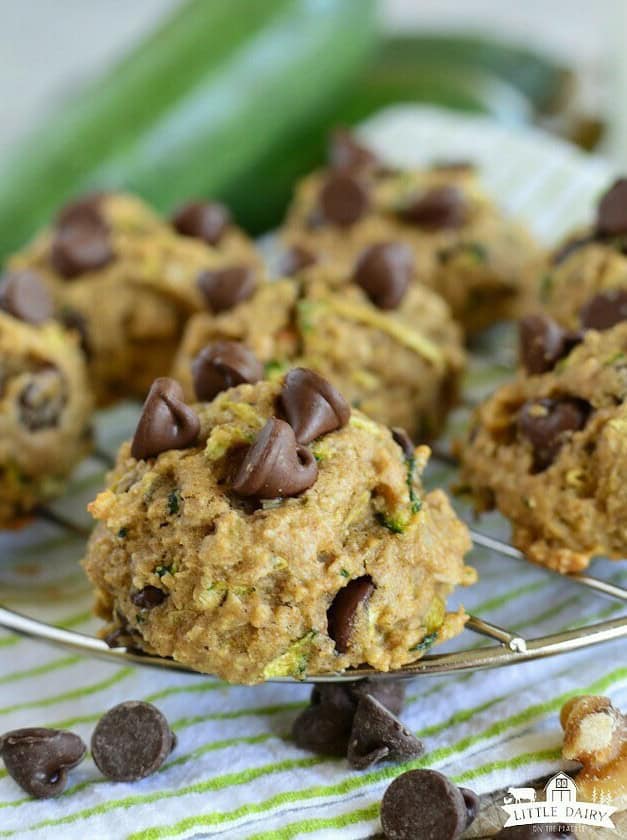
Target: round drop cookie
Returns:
[277, 532]
[483, 263]
[584, 284]
[390, 346]
[549, 450]
[126, 282]
[45, 398]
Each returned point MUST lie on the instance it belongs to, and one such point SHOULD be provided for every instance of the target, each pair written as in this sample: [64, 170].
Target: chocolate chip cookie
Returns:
[584, 284]
[274, 532]
[126, 282]
[481, 262]
[45, 398]
[389, 345]
[549, 449]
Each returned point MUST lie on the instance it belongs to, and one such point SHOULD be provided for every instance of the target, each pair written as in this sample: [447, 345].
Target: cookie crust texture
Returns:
[248, 585]
[576, 508]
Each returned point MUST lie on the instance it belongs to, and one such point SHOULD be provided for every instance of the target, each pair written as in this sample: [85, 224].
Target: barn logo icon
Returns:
[560, 806]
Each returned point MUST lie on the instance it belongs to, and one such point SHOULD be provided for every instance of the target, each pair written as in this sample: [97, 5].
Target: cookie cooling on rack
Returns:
[481, 262]
[45, 398]
[549, 449]
[390, 346]
[274, 532]
[126, 281]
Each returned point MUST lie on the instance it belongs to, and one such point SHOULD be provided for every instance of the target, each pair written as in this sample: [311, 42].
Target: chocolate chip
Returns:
[165, 422]
[542, 343]
[345, 152]
[384, 272]
[86, 208]
[80, 245]
[275, 466]
[439, 207]
[23, 295]
[224, 365]
[343, 610]
[424, 804]
[42, 400]
[612, 210]
[570, 247]
[472, 804]
[131, 741]
[39, 759]
[224, 288]
[404, 441]
[343, 199]
[378, 735]
[390, 693]
[295, 259]
[535, 832]
[206, 220]
[312, 405]
[149, 597]
[548, 423]
[605, 310]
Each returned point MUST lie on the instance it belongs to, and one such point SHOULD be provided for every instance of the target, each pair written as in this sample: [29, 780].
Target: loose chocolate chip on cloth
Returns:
[424, 804]
[605, 310]
[312, 405]
[131, 741]
[384, 272]
[165, 422]
[223, 288]
[39, 759]
[223, 365]
[23, 295]
[206, 220]
[378, 735]
[276, 466]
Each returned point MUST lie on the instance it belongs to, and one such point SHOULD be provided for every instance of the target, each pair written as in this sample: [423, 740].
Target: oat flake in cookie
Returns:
[248, 581]
[550, 452]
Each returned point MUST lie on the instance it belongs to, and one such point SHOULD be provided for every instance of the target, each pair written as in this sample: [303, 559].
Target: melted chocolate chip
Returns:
[439, 207]
[345, 152]
[295, 260]
[423, 804]
[343, 610]
[312, 405]
[378, 735]
[165, 422]
[384, 272]
[224, 288]
[81, 244]
[404, 441]
[23, 295]
[39, 759]
[224, 365]
[542, 343]
[42, 400]
[343, 199]
[131, 741]
[148, 597]
[548, 423]
[206, 220]
[275, 466]
[612, 210]
[605, 310]
[86, 208]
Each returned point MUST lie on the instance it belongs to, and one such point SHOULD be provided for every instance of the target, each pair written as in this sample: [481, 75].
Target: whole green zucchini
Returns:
[204, 98]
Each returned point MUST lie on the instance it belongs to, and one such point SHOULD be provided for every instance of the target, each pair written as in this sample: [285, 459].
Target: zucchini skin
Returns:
[204, 98]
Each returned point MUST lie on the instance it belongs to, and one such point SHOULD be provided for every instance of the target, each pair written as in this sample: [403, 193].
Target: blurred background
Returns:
[213, 96]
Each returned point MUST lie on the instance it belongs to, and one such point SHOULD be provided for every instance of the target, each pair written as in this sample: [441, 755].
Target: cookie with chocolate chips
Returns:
[464, 247]
[549, 449]
[281, 534]
[127, 281]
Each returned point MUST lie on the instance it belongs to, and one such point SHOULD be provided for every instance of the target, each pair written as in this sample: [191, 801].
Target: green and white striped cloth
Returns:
[235, 773]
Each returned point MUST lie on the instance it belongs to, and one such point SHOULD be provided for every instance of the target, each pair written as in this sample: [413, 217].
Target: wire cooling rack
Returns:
[508, 648]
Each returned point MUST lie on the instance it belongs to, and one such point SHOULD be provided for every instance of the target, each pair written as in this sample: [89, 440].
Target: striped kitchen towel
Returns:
[235, 772]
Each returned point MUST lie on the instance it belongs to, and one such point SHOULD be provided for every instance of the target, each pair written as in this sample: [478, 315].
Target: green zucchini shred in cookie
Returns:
[292, 663]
